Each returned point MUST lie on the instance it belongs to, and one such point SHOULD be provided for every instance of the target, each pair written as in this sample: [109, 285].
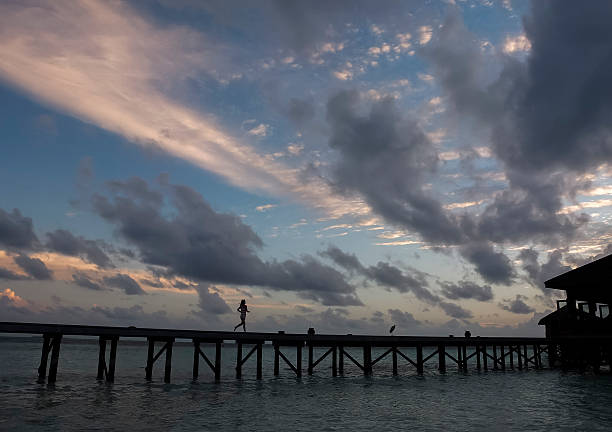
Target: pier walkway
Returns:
[497, 353]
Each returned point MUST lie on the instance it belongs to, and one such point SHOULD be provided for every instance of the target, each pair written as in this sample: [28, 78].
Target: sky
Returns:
[342, 165]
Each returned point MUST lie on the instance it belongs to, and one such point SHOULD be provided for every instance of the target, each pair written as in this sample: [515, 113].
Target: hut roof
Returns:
[589, 282]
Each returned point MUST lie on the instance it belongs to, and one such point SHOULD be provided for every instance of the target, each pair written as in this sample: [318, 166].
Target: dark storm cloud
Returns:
[9, 275]
[538, 273]
[384, 274]
[66, 243]
[125, 283]
[466, 290]
[84, 281]
[455, 311]
[16, 231]
[33, 266]
[494, 267]
[198, 243]
[387, 158]
[211, 302]
[517, 305]
[403, 321]
[549, 117]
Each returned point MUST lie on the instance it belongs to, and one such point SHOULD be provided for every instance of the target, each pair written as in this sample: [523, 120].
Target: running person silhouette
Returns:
[243, 311]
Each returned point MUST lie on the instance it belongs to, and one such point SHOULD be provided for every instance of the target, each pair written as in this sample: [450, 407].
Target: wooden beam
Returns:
[394, 359]
[478, 357]
[196, 359]
[149, 367]
[340, 359]
[259, 361]
[502, 357]
[298, 361]
[419, 360]
[218, 361]
[441, 358]
[55, 350]
[310, 359]
[335, 361]
[101, 358]
[276, 359]
[46, 348]
[112, 361]
[168, 368]
[239, 360]
[367, 360]
[485, 361]
[464, 357]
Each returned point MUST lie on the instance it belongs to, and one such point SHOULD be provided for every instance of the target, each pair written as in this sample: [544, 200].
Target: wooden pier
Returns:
[485, 353]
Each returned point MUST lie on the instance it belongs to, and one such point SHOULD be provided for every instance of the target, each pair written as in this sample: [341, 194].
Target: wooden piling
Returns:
[459, 360]
[42, 368]
[485, 358]
[394, 358]
[526, 363]
[340, 359]
[511, 356]
[335, 361]
[196, 359]
[112, 361]
[276, 359]
[310, 358]
[441, 358]
[464, 351]
[536, 356]
[55, 350]
[218, 361]
[150, 352]
[519, 357]
[495, 365]
[298, 361]
[419, 361]
[367, 360]
[101, 358]
[239, 360]
[502, 356]
[259, 361]
[168, 366]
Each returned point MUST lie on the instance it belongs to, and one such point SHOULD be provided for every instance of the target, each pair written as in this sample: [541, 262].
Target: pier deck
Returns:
[496, 353]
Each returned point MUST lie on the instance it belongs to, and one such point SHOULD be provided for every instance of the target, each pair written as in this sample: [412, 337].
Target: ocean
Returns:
[533, 400]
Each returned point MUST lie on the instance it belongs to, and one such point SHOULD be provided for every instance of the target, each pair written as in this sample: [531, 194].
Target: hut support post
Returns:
[340, 359]
[485, 360]
[367, 360]
[42, 368]
[168, 366]
[217, 361]
[495, 365]
[196, 359]
[478, 357]
[511, 354]
[112, 361]
[525, 357]
[150, 352]
[502, 356]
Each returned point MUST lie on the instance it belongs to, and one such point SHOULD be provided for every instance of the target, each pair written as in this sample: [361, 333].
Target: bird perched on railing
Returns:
[392, 328]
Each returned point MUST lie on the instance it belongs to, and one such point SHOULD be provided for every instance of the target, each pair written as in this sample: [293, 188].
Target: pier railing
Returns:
[497, 353]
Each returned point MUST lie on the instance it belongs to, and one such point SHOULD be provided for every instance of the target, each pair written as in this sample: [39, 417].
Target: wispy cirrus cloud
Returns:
[107, 65]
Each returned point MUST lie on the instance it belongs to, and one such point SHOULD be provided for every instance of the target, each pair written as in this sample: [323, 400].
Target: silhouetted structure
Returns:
[481, 353]
[581, 325]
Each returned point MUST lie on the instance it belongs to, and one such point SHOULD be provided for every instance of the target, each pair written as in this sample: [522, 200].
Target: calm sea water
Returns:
[488, 401]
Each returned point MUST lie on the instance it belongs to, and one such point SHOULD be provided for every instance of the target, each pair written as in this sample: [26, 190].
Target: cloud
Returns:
[455, 311]
[125, 283]
[66, 243]
[84, 281]
[124, 60]
[517, 43]
[466, 290]
[538, 273]
[198, 243]
[261, 130]
[9, 275]
[494, 267]
[386, 157]
[265, 207]
[33, 267]
[16, 231]
[517, 306]
[546, 128]
[211, 302]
